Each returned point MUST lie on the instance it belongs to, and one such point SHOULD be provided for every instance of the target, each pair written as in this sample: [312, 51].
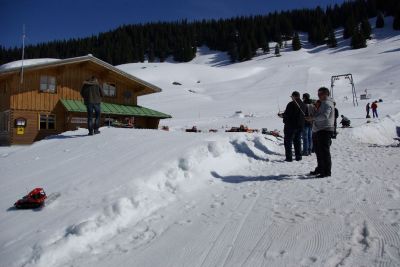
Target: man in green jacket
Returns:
[92, 93]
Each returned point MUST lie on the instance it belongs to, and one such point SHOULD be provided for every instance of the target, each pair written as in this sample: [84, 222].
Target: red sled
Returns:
[35, 199]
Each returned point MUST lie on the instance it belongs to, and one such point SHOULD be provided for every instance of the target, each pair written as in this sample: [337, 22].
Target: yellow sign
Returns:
[20, 130]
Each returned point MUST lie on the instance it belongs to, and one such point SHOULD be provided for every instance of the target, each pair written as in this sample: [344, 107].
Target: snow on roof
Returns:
[27, 62]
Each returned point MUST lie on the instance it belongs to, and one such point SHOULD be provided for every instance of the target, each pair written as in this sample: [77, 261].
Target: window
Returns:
[4, 122]
[47, 122]
[109, 89]
[47, 84]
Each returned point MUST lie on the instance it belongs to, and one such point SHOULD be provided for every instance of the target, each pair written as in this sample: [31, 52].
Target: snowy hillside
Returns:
[153, 198]
[212, 94]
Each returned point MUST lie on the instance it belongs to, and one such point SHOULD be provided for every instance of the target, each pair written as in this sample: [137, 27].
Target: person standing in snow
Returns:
[92, 93]
[307, 130]
[293, 118]
[367, 109]
[374, 108]
[323, 126]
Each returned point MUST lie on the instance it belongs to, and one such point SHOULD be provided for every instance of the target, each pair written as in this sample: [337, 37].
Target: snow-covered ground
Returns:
[154, 198]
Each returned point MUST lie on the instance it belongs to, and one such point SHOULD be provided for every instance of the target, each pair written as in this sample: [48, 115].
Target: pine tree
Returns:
[180, 38]
[277, 51]
[263, 43]
[366, 28]
[279, 40]
[349, 28]
[233, 52]
[267, 48]
[285, 26]
[358, 40]
[318, 32]
[396, 21]
[151, 54]
[380, 21]
[296, 44]
[331, 42]
[246, 51]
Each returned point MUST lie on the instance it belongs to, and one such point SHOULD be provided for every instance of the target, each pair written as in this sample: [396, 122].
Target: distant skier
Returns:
[323, 126]
[345, 122]
[374, 108]
[293, 118]
[307, 130]
[92, 93]
[367, 109]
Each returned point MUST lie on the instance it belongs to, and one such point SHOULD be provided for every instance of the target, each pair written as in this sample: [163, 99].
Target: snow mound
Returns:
[27, 62]
[378, 133]
[188, 173]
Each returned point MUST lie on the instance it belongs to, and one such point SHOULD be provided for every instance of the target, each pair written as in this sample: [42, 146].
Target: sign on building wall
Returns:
[77, 120]
[20, 130]
[20, 123]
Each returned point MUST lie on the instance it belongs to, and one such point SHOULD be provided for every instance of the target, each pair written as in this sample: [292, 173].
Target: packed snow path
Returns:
[264, 215]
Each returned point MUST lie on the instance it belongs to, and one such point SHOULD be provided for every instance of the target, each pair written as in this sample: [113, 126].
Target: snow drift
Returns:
[130, 196]
[379, 132]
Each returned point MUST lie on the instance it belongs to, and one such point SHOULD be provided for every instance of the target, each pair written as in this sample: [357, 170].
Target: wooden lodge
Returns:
[44, 99]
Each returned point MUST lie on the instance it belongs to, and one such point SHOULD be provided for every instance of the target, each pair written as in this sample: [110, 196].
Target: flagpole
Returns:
[23, 53]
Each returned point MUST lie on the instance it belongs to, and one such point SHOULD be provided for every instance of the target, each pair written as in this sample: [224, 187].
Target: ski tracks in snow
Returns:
[272, 219]
[263, 214]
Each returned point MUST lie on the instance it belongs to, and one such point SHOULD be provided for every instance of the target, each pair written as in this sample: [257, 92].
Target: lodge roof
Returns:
[74, 60]
[115, 109]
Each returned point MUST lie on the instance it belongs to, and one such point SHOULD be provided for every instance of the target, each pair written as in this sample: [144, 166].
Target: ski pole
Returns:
[298, 106]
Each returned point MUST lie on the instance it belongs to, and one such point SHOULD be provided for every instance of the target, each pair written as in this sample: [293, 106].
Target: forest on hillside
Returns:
[241, 37]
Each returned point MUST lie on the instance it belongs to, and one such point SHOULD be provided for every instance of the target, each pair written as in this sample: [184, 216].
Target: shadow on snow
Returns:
[236, 179]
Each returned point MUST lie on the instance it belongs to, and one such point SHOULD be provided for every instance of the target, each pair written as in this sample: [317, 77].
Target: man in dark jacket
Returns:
[92, 93]
[293, 118]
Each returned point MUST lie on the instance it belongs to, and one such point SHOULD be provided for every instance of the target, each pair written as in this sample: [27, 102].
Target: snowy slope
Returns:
[270, 80]
[152, 198]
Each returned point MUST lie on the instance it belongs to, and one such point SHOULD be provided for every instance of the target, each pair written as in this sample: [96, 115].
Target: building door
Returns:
[5, 122]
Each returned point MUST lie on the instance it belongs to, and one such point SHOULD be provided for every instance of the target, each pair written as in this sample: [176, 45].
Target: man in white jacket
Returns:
[323, 128]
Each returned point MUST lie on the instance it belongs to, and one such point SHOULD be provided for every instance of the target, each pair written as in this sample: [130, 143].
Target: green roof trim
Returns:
[115, 109]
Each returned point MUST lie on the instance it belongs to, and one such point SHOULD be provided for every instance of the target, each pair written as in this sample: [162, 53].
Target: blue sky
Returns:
[47, 20]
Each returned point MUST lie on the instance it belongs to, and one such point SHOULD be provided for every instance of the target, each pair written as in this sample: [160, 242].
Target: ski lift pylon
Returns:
[349, 77]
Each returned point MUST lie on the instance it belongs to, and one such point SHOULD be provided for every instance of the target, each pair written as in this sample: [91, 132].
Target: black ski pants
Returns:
[292, 137]
[323, 143]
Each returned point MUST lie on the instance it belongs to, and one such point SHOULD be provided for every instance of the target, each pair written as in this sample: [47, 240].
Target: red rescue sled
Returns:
[35, 199]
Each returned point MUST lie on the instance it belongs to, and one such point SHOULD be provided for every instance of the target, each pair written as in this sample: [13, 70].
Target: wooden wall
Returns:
[32, 132]
[69, 81]
[146, 123]
[5, 92]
